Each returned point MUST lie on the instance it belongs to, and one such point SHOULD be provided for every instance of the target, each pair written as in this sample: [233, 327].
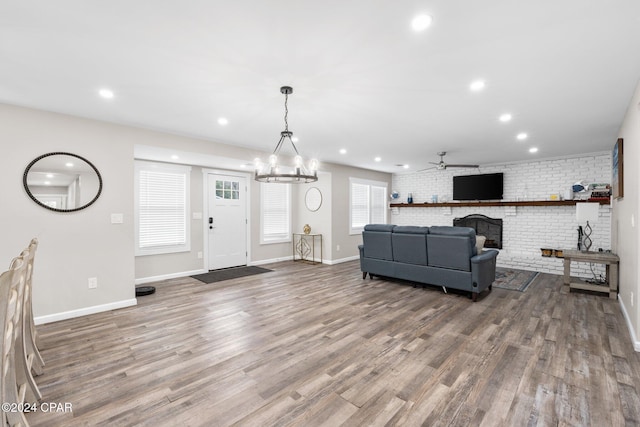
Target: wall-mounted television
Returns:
[486, 186]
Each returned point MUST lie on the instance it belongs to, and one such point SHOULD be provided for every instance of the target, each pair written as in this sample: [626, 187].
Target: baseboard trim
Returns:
[270, 261]
[41, 320]
[151, 279]
[632, 332]
[341, 260]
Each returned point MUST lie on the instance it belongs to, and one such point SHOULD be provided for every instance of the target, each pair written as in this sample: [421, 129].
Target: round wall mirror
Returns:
[62, 182]
[313, 199]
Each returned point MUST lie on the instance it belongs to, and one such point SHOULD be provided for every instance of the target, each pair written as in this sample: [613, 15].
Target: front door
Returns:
[227, 220]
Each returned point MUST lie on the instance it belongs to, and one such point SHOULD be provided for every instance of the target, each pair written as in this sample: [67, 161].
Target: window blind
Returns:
[162, 209]
[276, 212]
[368, 204]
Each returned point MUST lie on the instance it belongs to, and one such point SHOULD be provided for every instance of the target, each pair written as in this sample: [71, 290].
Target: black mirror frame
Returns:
[26, 187]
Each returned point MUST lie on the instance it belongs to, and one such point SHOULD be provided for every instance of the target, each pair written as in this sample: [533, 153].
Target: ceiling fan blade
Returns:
[427, 169]
[462, 166]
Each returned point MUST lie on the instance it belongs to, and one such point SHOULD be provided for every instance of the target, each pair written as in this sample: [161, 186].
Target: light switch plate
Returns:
[117, 218]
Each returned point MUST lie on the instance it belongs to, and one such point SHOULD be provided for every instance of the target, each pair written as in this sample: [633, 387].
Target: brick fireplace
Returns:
[491, 228]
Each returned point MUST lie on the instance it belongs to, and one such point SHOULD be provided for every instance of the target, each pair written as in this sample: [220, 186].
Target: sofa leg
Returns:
[474, 296]
[490, 287]
[364, 275]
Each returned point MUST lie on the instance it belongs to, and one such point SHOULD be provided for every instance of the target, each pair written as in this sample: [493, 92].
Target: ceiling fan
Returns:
[441, 165]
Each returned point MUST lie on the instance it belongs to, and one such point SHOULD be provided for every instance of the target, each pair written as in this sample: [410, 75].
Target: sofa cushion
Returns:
[377, 241]
[480, 244]
[451, 247]
[457, 231]
[449, 252]
[410, 229]
[410, 244]
[379, 227]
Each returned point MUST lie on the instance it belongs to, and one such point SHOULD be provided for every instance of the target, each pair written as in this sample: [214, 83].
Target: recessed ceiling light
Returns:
[406, 166]
[223, 121]
[243, 165]
[106, 93]
[47, 183]
[522, 136]
[49, 175]
[477, 85]
[533, 150]
[505, 117]
[295, 139]
[377, 159]
[421, 22]
[175, 157]
[69, 165]
[343, 151]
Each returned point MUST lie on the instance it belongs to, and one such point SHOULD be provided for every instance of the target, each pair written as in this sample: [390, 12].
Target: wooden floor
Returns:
[312, 345]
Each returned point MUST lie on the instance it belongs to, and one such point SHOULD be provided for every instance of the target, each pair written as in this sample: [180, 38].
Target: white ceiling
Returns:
[363, 79]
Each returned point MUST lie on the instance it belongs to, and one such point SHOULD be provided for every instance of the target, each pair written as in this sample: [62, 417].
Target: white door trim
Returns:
[205, 203]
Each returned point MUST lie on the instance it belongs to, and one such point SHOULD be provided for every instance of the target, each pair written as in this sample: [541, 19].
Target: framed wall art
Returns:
[617, 179]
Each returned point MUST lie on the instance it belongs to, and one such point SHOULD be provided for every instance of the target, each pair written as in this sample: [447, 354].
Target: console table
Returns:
[304, 247]
[610, 260]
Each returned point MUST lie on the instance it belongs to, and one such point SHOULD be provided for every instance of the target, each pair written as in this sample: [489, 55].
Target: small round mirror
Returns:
[62, 182]
[313, 199]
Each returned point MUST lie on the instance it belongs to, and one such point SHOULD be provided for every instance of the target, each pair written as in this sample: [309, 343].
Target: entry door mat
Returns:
[514, 280]
[229, 273]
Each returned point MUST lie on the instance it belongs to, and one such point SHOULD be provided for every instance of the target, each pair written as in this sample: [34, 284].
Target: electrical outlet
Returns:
[631, 299]
[93, 282]
[199, 255]
[338, 248]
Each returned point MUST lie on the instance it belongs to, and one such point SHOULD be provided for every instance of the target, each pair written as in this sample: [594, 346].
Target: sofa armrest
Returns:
[484, 257]
[483, 269]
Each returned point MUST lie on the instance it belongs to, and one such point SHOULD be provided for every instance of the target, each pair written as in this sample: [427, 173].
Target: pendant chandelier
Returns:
[273, 171]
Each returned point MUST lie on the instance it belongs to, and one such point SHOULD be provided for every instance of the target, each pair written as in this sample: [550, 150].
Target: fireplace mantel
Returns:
[496, 203]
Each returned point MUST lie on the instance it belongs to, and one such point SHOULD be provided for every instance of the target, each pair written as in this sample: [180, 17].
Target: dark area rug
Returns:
[514, 280]
[229, 273]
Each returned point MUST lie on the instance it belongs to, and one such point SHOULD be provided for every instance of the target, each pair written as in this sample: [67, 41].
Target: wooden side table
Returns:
[610, 260]
[304, 247]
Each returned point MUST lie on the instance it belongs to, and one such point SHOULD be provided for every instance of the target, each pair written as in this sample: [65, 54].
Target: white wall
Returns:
[626, 238]
[77, 246]
[73, 246]
[525, 229]
[320, 220]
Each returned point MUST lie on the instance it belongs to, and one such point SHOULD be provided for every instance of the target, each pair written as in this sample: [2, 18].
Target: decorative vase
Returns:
[306, 229]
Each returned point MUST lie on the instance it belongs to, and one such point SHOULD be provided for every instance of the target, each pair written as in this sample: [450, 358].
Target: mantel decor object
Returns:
[275, 171]
[306, 229]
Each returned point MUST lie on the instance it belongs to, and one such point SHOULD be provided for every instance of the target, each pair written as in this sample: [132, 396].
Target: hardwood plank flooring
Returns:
[318, 346]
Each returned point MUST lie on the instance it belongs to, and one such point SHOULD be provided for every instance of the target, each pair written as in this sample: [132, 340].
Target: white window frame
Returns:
[371, 186]
[285, 234]
[141, 166]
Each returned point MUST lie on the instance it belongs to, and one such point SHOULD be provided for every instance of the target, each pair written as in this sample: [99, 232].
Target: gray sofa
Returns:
[438, 255]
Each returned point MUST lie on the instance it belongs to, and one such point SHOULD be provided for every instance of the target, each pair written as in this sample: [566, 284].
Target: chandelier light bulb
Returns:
[274, 172]
[313, 165]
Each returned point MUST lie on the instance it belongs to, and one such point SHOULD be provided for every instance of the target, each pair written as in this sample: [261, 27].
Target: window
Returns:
[227, 190]
[368, 204]
[275, 205]
[162, 208]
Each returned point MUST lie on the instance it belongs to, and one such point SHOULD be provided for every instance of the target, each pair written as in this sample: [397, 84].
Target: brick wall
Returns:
[525, 229]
